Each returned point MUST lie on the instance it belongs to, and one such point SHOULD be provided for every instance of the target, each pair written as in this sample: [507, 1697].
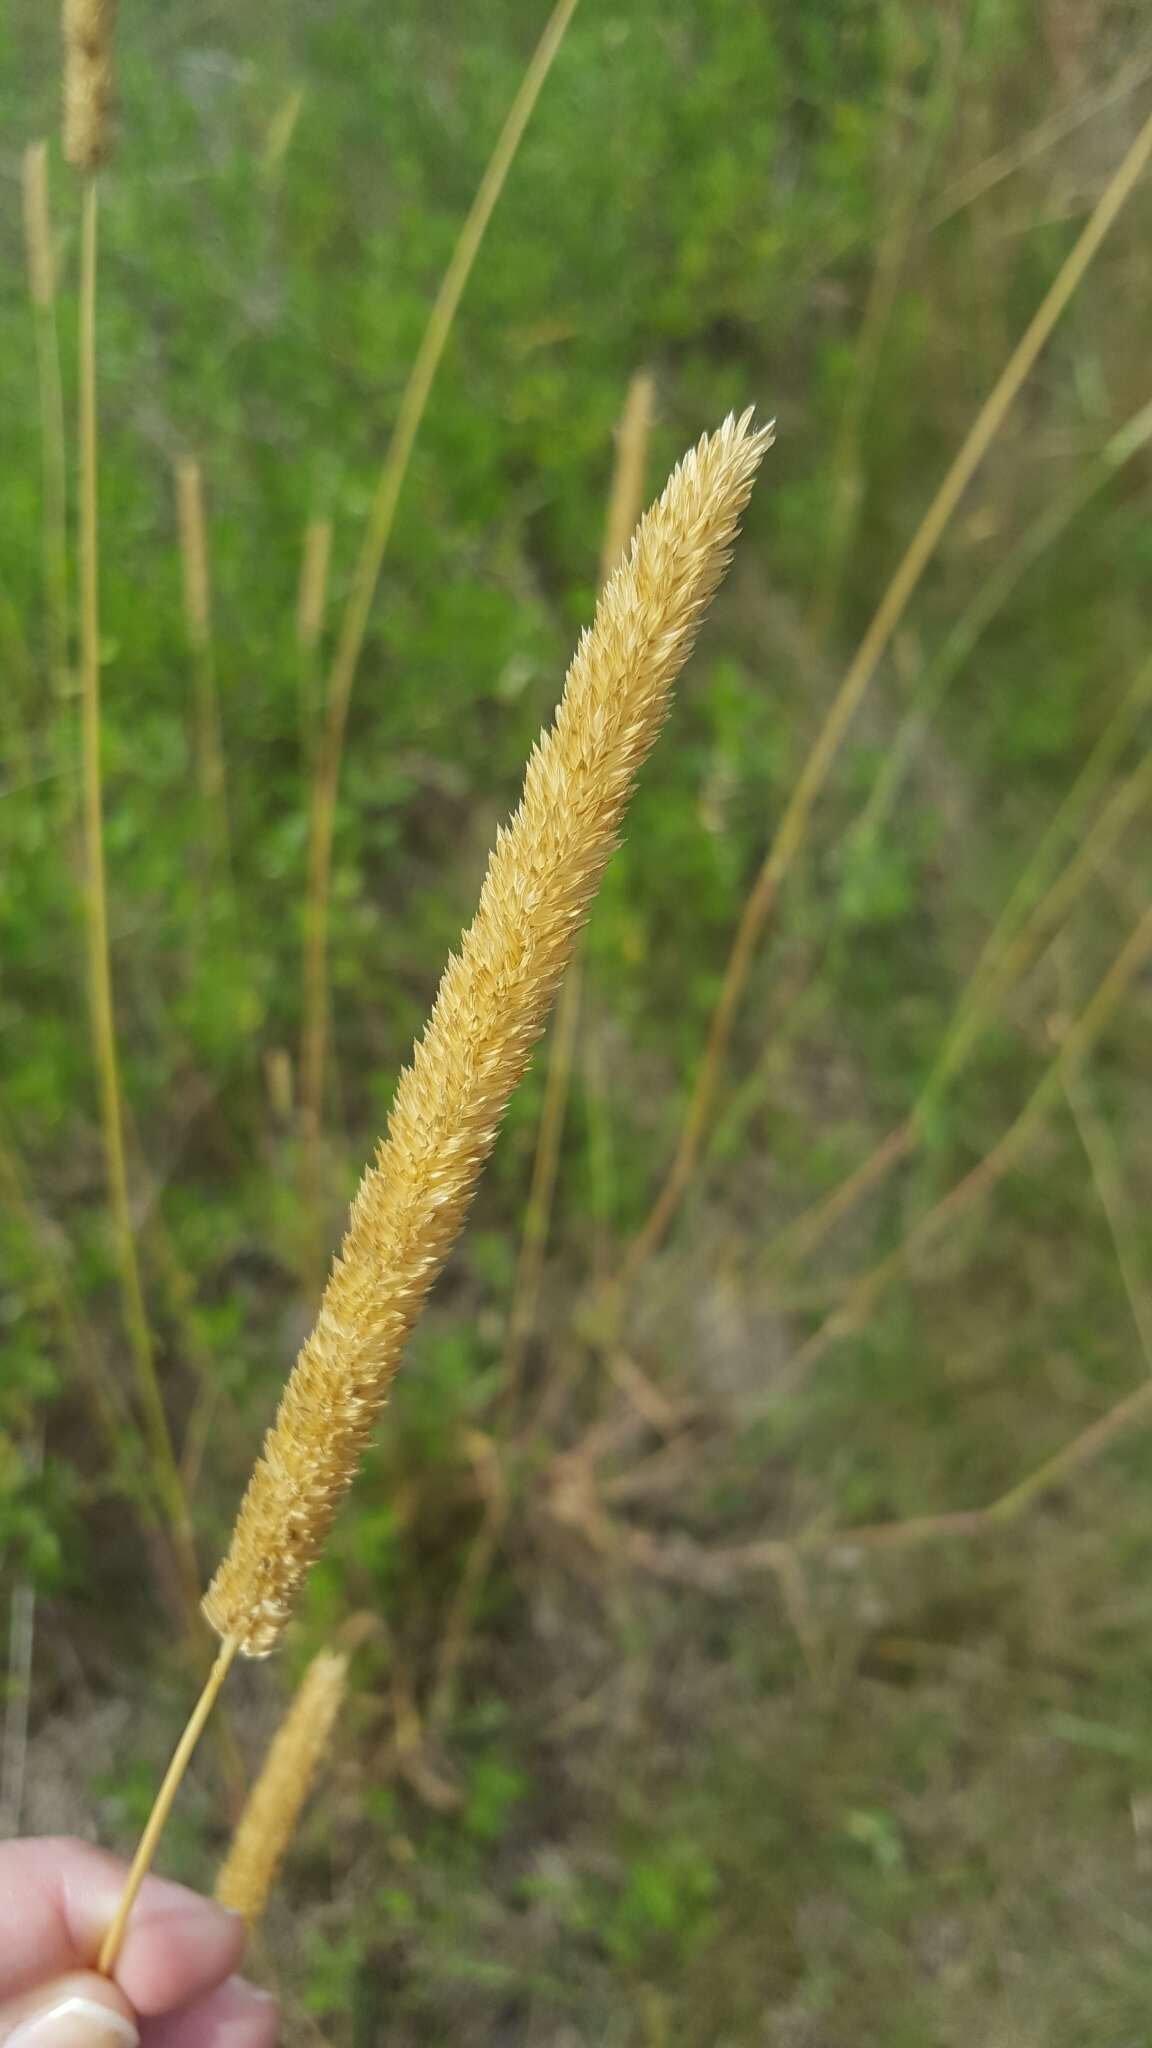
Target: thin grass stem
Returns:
[165, 1799]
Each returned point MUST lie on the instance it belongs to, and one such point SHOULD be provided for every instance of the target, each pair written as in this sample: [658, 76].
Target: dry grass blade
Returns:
[793, 827]
[165, 1800]
[417, 391]
[984, 177]
[274, 1805]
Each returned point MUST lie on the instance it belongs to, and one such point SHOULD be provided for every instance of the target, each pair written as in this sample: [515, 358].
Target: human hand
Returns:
[173, 1986]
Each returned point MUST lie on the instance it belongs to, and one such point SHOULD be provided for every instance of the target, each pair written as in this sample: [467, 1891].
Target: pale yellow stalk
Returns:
[268, 1822]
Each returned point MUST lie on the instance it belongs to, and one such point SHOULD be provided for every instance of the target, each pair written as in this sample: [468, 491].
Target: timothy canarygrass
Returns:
[489, 1012]
[490, 1009]
[274, 1805]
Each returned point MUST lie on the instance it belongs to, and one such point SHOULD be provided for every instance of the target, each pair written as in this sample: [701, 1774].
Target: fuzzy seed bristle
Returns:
[89, 81]
[490, 1009]
[273, 1806]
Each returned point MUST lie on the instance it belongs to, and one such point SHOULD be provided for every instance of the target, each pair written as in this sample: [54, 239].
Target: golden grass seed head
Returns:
[272, 1809]
[489, 1011]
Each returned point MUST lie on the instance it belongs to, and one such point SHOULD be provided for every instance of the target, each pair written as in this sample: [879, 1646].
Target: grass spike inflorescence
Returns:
[489, 1012]
[273, 1807]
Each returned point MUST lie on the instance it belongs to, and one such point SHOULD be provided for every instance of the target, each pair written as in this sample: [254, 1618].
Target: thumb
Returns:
[79, 2011]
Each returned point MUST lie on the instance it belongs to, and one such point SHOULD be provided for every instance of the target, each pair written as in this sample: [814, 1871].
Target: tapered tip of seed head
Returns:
[745, 444]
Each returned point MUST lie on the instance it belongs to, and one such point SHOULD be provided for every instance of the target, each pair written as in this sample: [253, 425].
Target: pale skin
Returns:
[174, 1986]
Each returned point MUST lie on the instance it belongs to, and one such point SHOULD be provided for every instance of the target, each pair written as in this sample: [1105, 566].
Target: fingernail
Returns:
[250, 1997]
[76, 2023]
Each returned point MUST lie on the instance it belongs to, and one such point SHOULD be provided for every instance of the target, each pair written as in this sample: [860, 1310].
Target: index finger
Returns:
[57, 1898]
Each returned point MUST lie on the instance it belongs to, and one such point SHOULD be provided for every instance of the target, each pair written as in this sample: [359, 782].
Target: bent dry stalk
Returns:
[491, 1007]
